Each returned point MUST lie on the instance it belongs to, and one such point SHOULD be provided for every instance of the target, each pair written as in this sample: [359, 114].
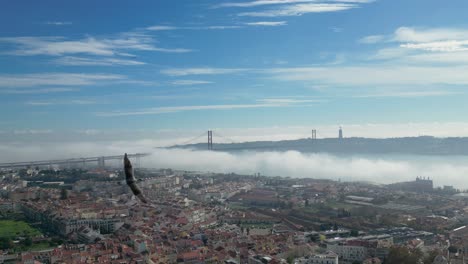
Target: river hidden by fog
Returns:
[377, 168]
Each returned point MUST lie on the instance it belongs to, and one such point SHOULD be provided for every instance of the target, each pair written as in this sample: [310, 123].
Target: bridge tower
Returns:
[314, 134]
[138, 161]
[101, 163]
[210, 140]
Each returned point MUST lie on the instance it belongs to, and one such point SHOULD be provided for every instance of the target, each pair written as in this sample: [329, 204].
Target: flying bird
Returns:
[131, 181]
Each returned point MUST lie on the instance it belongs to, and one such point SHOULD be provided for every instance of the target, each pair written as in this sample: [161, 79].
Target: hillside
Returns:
[424, 145]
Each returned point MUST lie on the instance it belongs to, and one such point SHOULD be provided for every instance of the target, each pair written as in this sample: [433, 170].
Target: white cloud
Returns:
[375, 75]
[419, 35]
[408, 94]
[40, 91]
[161, 28]
[190, 82]
[261, 3]
[33, 103]
[288, 101]
[176, 109]
[336, 29]
[217, 27]
[439, 58]
[262, 103]
[57, 46]
[32, 131]
[61, 102]
[446, 46]
[267, 23]
[53, 79]
[409, 34]
[200, 71]
[422, 45]
[389, 53]
[166, 28]
[58, 23]
[300, 9]
[372, 39]
[283, 2]
[80, 61]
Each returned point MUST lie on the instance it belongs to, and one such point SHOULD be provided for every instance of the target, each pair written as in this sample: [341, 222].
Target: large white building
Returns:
[327, 258]
[351, 250]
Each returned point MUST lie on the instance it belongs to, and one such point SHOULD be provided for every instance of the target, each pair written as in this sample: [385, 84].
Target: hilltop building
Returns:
[421, 184]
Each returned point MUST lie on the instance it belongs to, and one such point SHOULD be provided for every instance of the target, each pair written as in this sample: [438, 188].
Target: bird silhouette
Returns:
[131, 181]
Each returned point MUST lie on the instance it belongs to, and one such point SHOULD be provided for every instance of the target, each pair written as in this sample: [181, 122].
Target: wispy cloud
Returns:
[300, 9]
[200, 71]
[55, 79]
[267, 23]
[422, 45]
[336, 29]
[283, 2]
[375, 74]
[408, 94]
[166, 28]
[289, 101]
[447, 46]
[39, 91]
[372, 39]
[161, 28]
[61, 102]
[32, 131]
[458, 58]
[266, 103]
[190, 82]
[261, 3]
[57, 46]
[421, 35]
[81, 61]
[216, 27]
[58, 23]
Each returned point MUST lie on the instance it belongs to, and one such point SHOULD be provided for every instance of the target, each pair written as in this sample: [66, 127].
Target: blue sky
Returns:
[74, 66]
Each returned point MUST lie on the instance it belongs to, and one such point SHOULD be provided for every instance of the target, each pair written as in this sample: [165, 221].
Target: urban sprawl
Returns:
[89, 215]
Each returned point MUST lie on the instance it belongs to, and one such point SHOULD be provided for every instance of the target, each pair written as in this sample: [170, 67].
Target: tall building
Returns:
[340, 133]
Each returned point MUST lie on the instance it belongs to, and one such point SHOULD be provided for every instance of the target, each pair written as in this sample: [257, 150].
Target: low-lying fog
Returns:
[444, 170]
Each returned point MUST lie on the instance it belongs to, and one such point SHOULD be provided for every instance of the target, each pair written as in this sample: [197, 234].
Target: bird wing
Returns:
[131, 181]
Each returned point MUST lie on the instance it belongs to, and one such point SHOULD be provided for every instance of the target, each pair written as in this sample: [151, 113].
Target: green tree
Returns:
[6, 243]
[28, 241]
[403, 255]
[429, 259]
[452, 249]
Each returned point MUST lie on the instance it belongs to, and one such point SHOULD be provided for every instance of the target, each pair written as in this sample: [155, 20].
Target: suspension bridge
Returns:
[99, 161]
[225, 144]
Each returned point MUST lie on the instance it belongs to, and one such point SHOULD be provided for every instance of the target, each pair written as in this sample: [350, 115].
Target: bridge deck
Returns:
[68, 161]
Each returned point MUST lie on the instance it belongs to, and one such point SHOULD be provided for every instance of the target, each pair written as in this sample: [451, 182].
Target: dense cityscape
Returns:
[89, 215]
[234, 132]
